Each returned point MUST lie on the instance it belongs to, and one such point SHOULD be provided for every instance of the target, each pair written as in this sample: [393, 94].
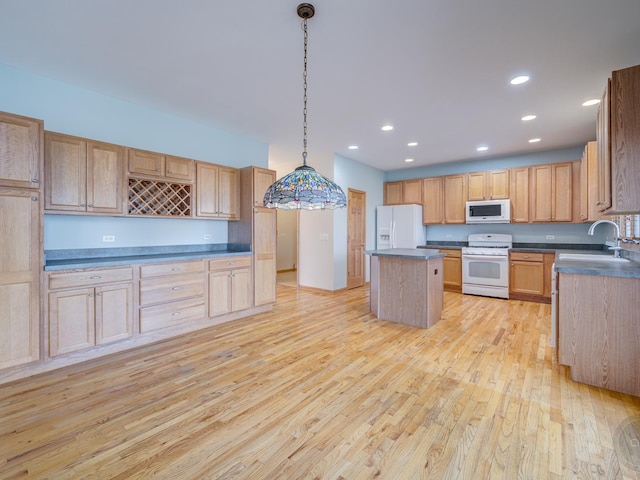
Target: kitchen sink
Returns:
[590, 257]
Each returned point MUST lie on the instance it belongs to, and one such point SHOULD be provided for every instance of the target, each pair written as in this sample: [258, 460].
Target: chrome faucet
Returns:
[616, 249]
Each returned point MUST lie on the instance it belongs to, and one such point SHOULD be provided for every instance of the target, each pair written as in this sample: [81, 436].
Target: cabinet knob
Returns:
[34, 198]
[525, 256]
[83, 204]
[90, 205]
[91, 295]
[175, 314]
[598, 203]
[176, 288]
[99, 294]
[34, 180]
[157, 169]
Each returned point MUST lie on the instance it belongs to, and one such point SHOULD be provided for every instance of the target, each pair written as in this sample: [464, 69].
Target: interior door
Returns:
[356, 226]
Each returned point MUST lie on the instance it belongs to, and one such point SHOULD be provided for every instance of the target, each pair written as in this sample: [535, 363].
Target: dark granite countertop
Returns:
[415, 253]
[629, 269]
[108, 257]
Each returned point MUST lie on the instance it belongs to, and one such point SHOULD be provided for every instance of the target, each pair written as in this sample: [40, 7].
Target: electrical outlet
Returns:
[207, 236]
[109, 238]
[551, 237]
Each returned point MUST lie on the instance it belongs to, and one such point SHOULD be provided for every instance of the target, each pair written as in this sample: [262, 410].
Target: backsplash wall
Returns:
[523, 233]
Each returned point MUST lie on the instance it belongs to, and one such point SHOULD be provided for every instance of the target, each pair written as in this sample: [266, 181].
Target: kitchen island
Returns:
[406, 285]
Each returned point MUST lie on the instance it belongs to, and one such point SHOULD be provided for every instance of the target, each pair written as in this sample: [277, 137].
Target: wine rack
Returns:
[157, 198]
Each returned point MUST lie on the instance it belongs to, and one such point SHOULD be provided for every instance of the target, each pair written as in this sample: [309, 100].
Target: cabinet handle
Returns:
[176, 288]
[598, 202]
[90, 205]
[525, 256]
[91, 295]
[34, 198]
[157, 169]
[34, 180]
[176, 269]
[83, 204]
[95, 277]
[99, 294]
[175, 314]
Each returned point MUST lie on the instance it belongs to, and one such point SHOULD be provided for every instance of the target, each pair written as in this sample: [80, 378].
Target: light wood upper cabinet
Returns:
[519, 194]
[489, 185]
[432, 201]
[552, 192]
[262, 180]
[403, 192]
[218, 191]
[83, 175]
[153, 164]
[455, 194]
[20, 151]
[625, 140]
[20, 266]
[589, 208]
[393, 193]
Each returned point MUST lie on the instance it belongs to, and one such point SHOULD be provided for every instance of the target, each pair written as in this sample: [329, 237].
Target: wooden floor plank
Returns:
[320, 388]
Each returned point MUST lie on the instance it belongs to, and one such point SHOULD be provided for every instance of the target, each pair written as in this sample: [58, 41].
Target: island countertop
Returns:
[415, 253]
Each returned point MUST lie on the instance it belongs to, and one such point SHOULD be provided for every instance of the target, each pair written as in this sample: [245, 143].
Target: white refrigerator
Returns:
[399, 226]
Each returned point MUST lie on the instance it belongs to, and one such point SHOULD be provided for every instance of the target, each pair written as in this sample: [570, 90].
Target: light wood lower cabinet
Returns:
[599, 330]
[452, 270]
[530, 276]
[94, 314]
[171, 294]
[229, 285]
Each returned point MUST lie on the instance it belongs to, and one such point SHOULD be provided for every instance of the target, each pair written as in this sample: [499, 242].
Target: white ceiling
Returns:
[438, 71]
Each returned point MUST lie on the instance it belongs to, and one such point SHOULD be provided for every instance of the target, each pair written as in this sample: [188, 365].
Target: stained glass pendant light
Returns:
[304, 187]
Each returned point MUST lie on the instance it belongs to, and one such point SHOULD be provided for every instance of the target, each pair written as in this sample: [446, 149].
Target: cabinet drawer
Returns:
[451, 253]
[174, 313]
[229, 263]
[172, 287]
[89, 278]
[527, 256]
[160, 269]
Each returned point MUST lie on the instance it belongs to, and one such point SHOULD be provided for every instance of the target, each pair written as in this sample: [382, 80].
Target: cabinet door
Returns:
[20, 151]
[476, 186]
[603, 137]
[240, 289]
[432, 211]
[519, 193]
[104, 177]
[393, 193]
[625, 140]
[498, 184]
[262, 180]
[541, 180]
[71, 321]
[179, 168]
[20, 266]
[412, 192]
[146, 163]
[228, 193]
[454, 198]
[219, 293]
[114, 313]
[66, 173]
[562, 192]
[526, 278]
[264, 251]
[206, 190]
[452, 270]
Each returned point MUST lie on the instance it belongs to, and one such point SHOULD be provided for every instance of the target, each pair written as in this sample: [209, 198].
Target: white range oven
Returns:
[485, 265]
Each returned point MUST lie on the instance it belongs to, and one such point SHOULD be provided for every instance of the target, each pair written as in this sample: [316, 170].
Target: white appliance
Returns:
[485, 265]
[399, 226]
[489, 211]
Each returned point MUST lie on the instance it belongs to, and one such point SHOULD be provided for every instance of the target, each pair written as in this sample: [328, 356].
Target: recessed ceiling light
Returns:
[590, 103]
[353, 147]
[412, 144]
[482, 148]
[408, 160]
[528, 118]
[534, 140]
[519, 80]
[387, 128]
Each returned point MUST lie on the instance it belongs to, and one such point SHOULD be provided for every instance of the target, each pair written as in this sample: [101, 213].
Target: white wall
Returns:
[69, 109]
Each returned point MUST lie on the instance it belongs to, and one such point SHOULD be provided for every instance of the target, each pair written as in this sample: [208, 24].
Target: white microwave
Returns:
[489, 211]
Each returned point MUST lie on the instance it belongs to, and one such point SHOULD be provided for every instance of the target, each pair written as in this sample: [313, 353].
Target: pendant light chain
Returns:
[304, 98]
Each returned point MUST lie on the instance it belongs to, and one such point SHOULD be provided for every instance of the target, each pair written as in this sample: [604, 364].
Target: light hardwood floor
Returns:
[319, 388]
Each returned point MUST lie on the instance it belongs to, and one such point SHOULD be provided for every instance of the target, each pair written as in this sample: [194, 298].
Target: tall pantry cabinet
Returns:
[21, 224]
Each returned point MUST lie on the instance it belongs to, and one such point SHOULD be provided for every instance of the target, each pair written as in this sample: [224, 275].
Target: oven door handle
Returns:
[485, 257]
